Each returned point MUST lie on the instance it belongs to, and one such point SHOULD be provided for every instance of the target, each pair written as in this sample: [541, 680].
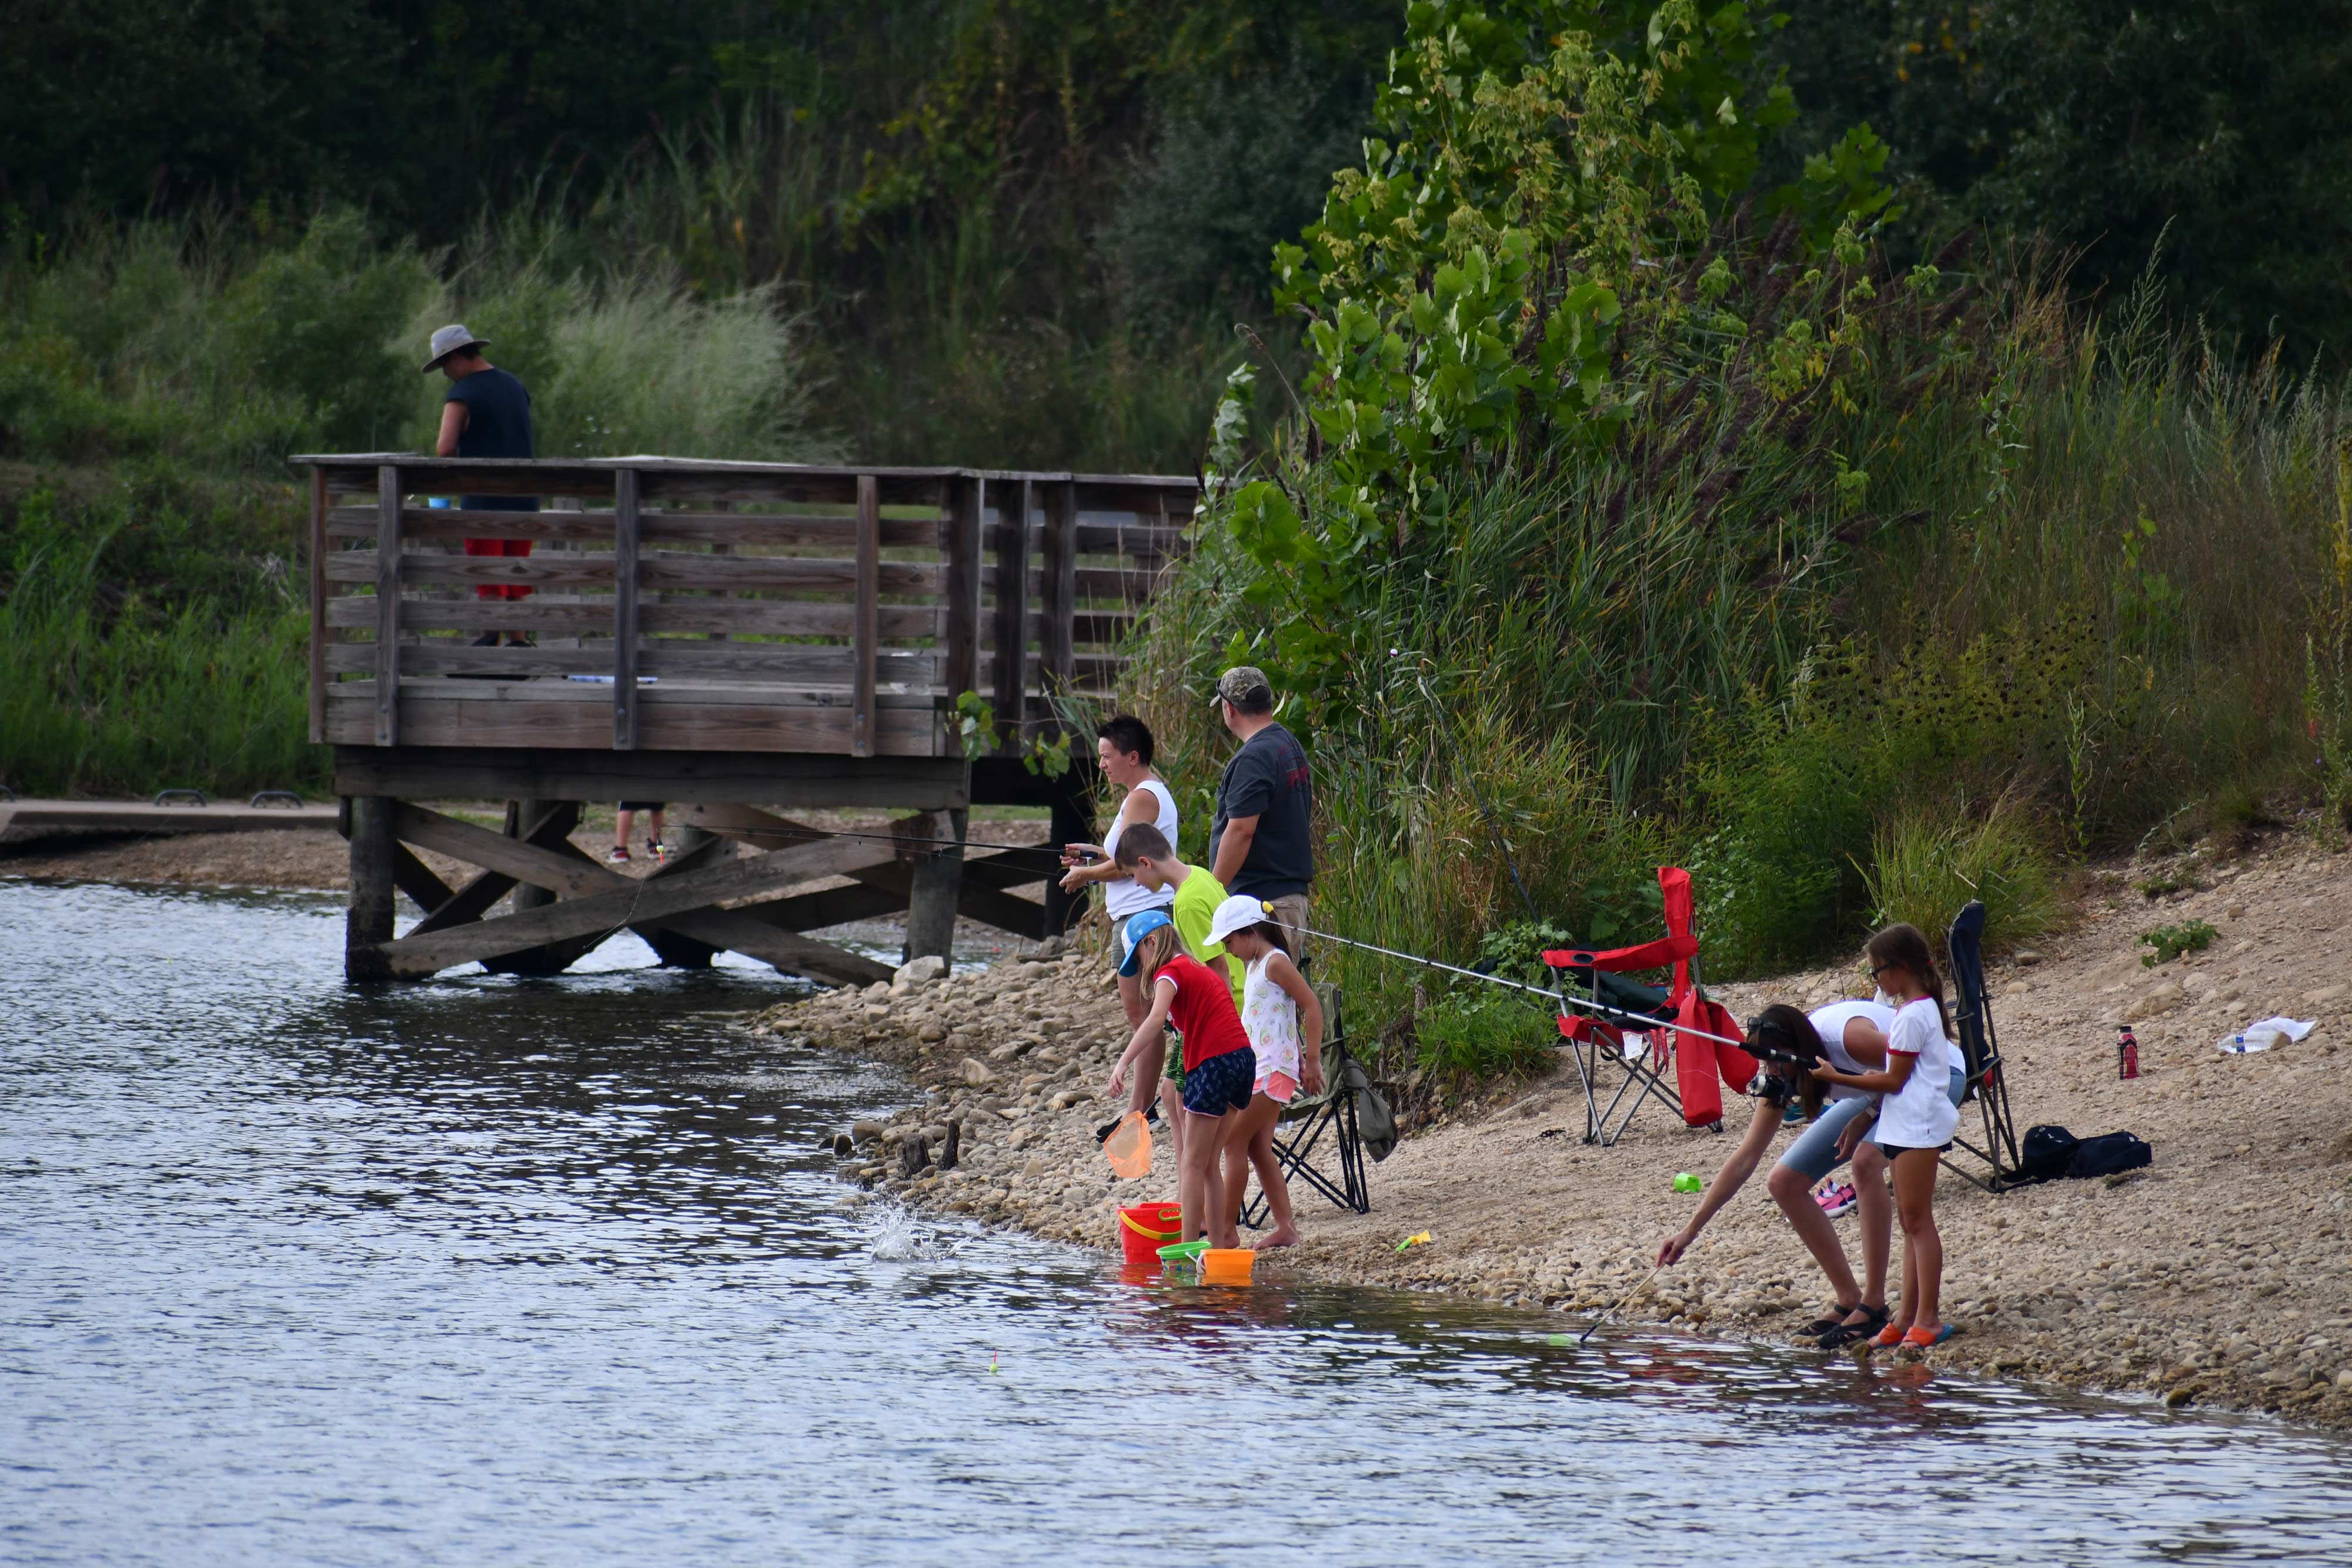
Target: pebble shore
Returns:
[2222, 1276]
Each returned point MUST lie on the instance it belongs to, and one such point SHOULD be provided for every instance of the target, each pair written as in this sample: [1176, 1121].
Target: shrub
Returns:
[1926, 865]
[1472, 1035]
[2167, 942]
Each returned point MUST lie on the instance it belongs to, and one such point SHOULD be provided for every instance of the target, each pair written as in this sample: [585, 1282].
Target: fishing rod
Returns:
[1600, 1010]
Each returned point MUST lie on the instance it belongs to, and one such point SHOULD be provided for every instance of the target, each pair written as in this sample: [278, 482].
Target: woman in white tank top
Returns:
[1123, 747]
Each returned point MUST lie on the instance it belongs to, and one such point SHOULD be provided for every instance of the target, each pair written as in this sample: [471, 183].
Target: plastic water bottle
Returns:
[2126, 1052]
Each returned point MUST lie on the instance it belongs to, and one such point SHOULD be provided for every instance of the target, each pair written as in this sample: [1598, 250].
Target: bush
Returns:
[1928, 864]
[1474, 1035]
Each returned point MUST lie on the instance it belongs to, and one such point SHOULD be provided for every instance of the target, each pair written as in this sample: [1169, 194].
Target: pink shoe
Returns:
[1837, 1197]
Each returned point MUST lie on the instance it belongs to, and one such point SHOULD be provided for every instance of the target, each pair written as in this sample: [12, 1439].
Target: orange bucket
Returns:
[1226, 1265]
[1145, 1228]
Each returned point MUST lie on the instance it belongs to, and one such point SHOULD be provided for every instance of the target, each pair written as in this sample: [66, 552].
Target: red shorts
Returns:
[500, 548]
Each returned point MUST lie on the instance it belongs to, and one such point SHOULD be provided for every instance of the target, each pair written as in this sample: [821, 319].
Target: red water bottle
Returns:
[2126, 1052]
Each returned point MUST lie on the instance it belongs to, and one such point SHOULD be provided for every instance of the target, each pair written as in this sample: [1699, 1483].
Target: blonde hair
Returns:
[1155, 948]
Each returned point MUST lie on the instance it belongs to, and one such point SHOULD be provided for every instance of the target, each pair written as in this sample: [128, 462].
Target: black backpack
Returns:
[2047, 1153]
[2108, 1153]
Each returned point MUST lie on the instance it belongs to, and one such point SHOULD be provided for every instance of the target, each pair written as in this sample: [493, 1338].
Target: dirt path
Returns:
[2223, 1275]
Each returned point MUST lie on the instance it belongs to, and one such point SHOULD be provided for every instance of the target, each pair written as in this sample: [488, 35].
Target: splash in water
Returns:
[894, 1232]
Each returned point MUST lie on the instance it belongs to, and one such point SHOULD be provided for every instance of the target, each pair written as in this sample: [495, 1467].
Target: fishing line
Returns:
[1643, 1022]
[1620, 1304]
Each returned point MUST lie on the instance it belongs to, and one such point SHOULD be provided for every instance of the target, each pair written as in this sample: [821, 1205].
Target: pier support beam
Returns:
[556, 956]
[935, 887]
[367, 922]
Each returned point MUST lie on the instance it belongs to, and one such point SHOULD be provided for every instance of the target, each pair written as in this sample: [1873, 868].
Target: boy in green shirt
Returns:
[1145, 854]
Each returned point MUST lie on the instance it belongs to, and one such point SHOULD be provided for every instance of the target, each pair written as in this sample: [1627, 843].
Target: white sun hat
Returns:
[1238, 912]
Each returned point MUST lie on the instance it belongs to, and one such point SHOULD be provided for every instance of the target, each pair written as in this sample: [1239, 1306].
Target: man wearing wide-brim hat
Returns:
[487, 414]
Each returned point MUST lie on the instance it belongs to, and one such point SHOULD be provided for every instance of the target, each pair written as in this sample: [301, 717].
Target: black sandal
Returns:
[1821, 1326]
[1844, 1335]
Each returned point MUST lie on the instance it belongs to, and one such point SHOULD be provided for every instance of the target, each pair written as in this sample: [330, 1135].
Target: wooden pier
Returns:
[742, 640]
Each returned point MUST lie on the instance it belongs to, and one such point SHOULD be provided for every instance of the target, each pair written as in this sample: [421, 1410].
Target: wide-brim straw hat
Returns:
[452, 340]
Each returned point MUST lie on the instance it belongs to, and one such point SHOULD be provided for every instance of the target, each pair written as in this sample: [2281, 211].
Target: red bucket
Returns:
[1144, 1229]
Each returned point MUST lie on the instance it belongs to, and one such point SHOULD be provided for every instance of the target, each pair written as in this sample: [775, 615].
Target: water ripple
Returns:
[554, 1272]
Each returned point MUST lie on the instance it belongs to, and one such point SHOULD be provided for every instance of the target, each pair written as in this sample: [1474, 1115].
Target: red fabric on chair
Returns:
[1702, 1066]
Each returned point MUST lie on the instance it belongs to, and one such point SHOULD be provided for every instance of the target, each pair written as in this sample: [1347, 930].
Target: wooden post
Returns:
[960, 628]
[1013, 505]
[933, 894]
[1058, 642]
[868, 621]
[367, 920]
[387, 606]
[624, 610]
[318, 604]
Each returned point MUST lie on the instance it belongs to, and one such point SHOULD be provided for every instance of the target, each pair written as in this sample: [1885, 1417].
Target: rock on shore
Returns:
[2222, 1276]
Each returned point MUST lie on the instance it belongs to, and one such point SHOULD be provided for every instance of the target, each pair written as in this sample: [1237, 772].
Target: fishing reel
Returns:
[1784, 1059]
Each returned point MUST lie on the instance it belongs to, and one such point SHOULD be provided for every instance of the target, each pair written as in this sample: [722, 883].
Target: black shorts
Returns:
[1222, 1083]
[641, 805]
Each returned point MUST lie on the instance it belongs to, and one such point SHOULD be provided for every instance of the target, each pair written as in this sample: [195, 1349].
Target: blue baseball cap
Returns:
[1139, 926]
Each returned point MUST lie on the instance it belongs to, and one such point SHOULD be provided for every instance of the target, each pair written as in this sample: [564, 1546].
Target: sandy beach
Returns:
[2223, 1275]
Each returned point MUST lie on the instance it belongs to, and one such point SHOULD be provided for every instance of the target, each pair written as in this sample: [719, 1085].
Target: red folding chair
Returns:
[1640, 1028]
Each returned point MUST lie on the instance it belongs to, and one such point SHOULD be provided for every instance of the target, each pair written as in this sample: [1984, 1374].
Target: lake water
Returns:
[523, 1271]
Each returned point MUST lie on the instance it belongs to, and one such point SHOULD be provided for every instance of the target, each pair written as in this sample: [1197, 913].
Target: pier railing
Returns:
[683, 605]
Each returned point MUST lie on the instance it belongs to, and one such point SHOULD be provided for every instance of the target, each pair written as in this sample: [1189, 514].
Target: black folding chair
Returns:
[1988, 1076]
[1338, 1114]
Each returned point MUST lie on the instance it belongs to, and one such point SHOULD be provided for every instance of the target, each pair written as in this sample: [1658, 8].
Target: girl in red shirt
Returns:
[1219, 1068]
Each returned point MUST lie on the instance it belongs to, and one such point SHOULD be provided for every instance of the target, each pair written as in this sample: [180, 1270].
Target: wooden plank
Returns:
[663, 658]
[581, 916]
[20, 818]
[1011, 641]
[674, 479]
[543, 866]
[415, 878]
[869, 627]
[741, 930]
[387, 606]
[737, 530]
[1144, 495]
[348, 472]
[1060, 594]
[667, 568]
[741, 617]
[318, 606]
[474, 899]
[961, 624]
[1090, 584]
[624, 610]
[599, 773]
[563, 870]
[520, 722]
[1136, 542]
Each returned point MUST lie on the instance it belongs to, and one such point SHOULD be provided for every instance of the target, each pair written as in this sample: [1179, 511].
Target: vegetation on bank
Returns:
[1629, 513]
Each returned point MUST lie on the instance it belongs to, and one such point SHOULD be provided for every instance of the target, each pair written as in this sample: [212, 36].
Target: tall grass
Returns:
[2071, 604]
[154, 637]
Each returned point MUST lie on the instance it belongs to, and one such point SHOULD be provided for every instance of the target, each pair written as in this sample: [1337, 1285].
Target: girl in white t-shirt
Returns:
[1916, 1120]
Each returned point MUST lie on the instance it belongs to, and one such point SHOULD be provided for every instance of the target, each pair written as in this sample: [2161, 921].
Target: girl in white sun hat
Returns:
[1283, 1019]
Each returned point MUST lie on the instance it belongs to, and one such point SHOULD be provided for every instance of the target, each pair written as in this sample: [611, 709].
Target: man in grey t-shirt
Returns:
[1261, 844]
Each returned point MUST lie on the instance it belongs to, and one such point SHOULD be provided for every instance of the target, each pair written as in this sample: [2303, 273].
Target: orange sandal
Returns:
[1887, 1338]
[1923, 1338]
